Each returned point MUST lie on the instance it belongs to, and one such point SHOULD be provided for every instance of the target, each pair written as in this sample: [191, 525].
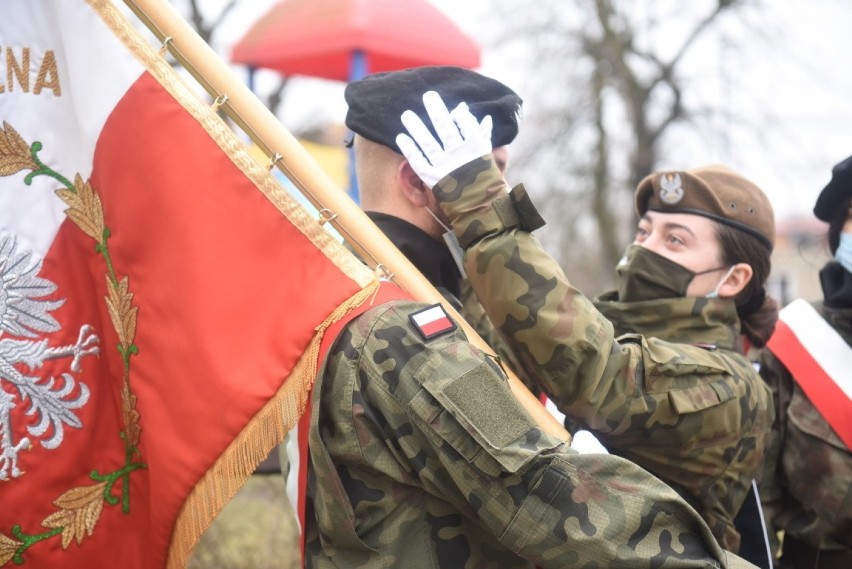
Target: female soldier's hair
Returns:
[758, 312]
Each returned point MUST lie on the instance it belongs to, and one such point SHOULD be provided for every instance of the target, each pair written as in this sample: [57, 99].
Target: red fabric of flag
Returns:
[147, 355]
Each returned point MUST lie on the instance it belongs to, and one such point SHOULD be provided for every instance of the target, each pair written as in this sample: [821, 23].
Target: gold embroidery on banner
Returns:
[123, 316]
[48, 75]
[8, 548]
[86, 211]
[19, 71]
[80, 508]
[266, 429]
[15, 154]
[85, 208]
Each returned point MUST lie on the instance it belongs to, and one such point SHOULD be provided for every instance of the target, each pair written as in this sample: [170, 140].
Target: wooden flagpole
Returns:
[246, 110]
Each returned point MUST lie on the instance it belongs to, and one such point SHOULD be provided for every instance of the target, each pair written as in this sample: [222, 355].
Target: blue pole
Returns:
[357, 70]
[250, 79]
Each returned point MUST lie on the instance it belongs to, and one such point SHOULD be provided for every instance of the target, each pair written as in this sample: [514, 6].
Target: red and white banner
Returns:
[819, 360]
[159, 297]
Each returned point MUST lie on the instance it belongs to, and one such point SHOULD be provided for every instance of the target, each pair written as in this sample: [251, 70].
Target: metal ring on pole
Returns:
[220, 100]
[274, 160]
[165, 47]
[326, 215]
[383, 274]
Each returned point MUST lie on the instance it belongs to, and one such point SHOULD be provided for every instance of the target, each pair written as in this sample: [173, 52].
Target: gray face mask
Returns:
[644, 275]
[452, 244]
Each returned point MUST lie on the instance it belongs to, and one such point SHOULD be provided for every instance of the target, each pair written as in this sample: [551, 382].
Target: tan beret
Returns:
[716, 192]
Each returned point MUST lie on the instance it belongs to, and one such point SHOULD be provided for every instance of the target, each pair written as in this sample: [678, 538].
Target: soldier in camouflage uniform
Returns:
[398, 202]
[422, 457]
[679, 400]
[807, 485]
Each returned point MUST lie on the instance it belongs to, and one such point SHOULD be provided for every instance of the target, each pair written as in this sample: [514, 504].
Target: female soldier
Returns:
[679, 399]
[807, 484]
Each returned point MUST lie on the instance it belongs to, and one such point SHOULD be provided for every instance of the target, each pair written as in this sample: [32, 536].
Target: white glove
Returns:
[463, 139]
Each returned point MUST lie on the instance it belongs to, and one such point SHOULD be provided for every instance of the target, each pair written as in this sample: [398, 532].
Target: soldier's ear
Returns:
[413, 188]
[736, 280]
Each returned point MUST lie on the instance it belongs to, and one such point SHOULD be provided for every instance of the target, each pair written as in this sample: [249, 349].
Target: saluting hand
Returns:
[463, 139]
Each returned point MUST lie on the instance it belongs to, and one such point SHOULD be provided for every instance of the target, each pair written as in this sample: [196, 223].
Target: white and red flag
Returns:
[159, 297]
[819, 359]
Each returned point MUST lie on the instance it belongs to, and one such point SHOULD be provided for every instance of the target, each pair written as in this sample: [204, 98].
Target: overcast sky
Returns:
[799, 92]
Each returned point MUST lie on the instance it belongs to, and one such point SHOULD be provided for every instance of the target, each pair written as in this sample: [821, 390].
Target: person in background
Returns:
[807, 484]
[678, 399]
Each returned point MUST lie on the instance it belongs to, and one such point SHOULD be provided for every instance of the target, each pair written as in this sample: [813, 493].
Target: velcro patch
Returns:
[432, 322]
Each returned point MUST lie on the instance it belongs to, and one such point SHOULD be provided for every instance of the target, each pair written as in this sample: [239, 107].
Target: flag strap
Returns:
[819, 360]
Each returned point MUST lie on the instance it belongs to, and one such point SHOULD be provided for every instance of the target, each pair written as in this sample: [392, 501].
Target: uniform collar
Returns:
[430, 256]
[706, 322]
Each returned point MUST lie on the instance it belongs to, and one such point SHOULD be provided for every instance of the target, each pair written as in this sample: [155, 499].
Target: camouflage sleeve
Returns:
[563, 343]
[566, 346]
[439, 416]
[779, 380]
[475, 315]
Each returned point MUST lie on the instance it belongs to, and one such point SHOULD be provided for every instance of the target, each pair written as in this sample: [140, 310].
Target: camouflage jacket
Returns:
[422, 458]
[806, 489]
[434, 260]
[696, 416]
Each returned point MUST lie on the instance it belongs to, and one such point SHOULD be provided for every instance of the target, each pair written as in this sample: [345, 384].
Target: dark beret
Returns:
[377, 101]
[834, 196]
[714, 191]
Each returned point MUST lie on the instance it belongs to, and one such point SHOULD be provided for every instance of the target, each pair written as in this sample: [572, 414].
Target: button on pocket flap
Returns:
[701, 396]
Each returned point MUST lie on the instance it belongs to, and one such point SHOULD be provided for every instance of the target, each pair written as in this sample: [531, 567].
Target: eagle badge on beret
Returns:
[671, 190]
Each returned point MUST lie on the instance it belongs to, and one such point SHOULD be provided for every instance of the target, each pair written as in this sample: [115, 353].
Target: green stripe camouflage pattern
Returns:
[806, 488]
[697, 417]
[473, 312]
[422, 458]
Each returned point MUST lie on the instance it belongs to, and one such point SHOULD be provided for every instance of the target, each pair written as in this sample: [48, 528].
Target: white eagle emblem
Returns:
[671, 190]
[25, 313]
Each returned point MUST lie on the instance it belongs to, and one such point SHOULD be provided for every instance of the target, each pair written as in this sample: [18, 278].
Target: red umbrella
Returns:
[328, 38]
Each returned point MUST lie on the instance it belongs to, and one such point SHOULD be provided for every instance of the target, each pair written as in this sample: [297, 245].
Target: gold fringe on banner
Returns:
[266, 430]
[368, 240]
[243, 107]
[281, 413]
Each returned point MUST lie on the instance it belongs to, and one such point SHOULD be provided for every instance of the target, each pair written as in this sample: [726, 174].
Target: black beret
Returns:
[836, 193]
[377, 101]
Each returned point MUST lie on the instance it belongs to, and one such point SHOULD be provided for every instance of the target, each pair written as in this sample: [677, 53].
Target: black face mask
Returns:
[644, 275]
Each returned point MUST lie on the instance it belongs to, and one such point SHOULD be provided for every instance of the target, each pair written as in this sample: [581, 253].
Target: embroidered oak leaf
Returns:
[14, 152]
[131, 416]
[121, 310]
[8, 547]
[79, 511]
[84, 208]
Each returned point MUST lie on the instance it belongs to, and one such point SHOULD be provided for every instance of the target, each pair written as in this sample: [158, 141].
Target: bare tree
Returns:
[206, 27]
[208, 19]
[608, 84]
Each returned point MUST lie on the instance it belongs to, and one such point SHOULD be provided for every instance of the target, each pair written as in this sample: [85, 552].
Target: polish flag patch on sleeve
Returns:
[432, 322]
